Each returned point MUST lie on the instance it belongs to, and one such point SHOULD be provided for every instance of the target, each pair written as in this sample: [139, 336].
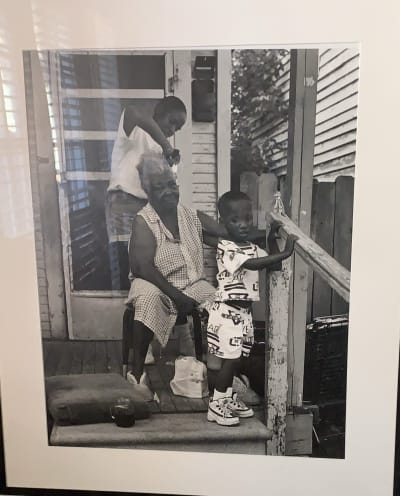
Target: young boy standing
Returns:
[230, 333]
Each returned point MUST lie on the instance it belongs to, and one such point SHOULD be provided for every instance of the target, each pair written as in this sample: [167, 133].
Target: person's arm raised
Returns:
[142, 249]
[133, 117]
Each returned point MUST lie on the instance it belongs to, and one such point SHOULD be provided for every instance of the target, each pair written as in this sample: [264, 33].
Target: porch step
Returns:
[175, 432]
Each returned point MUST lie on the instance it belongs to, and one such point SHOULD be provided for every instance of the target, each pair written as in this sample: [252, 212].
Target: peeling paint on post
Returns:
[276, 384]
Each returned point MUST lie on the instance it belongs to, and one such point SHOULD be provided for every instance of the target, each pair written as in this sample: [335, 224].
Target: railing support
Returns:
[276, 384]
[337, 276]
[277, 320]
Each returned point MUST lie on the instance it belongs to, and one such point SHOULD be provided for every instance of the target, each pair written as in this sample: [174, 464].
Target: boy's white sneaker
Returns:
[238, 408]
[219, 412]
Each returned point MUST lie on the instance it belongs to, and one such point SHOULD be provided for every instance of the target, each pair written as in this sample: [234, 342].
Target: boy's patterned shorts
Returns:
[230, 332]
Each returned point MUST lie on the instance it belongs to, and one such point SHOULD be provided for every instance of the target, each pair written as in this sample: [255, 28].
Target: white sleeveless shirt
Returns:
[126, 156]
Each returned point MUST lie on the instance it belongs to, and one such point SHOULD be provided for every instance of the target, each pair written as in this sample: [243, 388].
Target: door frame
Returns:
[59, 135]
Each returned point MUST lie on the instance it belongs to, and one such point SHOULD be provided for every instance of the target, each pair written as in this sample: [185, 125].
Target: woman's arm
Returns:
[210, 240]
[211, 226]
[142, 249]
[134, 117]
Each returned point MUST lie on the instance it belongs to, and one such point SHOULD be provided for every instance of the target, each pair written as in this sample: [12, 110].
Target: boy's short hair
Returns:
[168, 105]
[228, 198]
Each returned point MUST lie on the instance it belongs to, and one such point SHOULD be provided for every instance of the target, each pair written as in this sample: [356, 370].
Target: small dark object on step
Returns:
[123, 412]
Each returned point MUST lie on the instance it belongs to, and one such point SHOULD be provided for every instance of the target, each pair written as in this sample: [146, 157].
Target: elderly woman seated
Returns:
[166, 258]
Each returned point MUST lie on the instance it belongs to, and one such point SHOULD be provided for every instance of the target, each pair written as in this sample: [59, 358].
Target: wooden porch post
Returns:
[224, 70]
[183, 139]
[301, 134]
[277, 318]
[287, 297]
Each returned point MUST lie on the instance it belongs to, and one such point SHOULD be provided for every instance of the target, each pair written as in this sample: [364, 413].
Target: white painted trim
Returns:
[101, 294]
[111, 93]
[183, 138]
[42, 157]
[114, 238]
[142, 51]
[169, 70]
[86, 176]
[224, 69]
[90, 135]
[301, 136]
[63, 200]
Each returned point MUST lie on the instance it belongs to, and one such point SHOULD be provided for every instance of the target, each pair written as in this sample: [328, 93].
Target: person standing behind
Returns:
[138, 133]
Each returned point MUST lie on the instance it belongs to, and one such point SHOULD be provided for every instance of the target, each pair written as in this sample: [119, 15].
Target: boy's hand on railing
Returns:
[274, 228]
[290, 241]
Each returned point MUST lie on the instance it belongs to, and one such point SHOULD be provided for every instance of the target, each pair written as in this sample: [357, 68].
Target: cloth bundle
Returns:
[190, 378]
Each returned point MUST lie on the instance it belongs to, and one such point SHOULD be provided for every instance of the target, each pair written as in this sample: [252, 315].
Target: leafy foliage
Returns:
[256, 101]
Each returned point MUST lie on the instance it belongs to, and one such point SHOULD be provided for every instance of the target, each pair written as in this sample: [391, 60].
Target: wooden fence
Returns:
[278, 374]
[331, 228]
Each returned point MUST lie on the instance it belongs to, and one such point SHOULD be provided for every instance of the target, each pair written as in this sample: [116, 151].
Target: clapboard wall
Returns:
[336, 116]
[204, 195]
[204, 160]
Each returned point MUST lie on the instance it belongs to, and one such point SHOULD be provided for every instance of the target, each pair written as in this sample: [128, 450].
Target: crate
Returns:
[325, 364]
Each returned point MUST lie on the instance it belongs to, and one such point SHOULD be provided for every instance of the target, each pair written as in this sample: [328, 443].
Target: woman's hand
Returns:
[184, 303]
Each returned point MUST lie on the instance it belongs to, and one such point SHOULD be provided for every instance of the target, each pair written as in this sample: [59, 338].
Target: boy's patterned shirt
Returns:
[234, 281]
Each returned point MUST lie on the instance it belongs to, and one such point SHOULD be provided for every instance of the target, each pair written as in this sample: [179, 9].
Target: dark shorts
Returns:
[121, 208]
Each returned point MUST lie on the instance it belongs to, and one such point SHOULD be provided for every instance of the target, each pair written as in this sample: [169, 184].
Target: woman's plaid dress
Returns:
[180, 262]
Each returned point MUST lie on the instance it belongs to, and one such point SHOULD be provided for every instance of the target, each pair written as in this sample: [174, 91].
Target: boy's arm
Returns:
[258, 237]
[269, 261]
[134, 117]
[273, 247]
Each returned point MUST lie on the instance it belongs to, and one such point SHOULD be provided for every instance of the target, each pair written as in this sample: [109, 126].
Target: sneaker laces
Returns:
[222, 405]
[237, 403]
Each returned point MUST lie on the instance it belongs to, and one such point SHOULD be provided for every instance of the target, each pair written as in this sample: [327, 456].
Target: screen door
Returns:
[92, 89]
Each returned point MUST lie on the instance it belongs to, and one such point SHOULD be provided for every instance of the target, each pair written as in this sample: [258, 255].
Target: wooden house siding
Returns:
[205, 177]
[336, 116]
[37, 223]
[203, 184]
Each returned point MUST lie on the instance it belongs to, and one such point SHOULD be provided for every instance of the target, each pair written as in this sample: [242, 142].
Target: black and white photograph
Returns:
[193, 215]
[198, 238]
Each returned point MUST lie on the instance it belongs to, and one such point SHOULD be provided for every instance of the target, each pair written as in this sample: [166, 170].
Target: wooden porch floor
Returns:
[95, 357]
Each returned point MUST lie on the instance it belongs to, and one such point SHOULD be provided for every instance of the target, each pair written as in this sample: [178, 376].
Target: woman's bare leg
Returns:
[142, 337]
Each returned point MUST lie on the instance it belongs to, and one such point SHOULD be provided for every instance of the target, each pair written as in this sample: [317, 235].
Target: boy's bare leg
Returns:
[214, 365]
[224, 379]
[218, 407]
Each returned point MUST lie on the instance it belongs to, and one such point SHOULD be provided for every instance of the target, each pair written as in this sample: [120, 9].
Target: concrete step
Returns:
[175, 432]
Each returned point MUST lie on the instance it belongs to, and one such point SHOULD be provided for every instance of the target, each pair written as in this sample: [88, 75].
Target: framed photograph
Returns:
[194, 220]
